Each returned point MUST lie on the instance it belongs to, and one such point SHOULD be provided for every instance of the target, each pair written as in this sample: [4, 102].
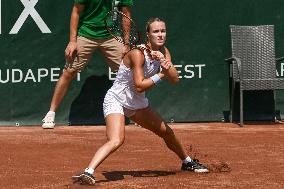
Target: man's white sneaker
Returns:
[48, 121]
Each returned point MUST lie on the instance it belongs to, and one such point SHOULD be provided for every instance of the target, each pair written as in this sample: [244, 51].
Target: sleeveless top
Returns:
[123, 88]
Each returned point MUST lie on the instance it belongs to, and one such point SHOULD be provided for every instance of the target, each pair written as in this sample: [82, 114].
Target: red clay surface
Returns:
[249, 157]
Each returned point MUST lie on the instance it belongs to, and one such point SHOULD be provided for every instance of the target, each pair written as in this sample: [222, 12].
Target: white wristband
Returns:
[156, 78]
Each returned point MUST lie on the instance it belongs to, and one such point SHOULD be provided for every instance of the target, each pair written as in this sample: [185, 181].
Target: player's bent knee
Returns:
[116, 142]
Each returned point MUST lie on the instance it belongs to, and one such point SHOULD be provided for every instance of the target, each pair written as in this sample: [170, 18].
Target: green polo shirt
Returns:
[91, 22]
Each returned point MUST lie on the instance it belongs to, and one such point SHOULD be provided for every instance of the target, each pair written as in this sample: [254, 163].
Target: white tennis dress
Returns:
[122, 97]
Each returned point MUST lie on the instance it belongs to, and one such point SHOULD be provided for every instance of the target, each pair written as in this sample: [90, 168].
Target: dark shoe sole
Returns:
[83, 179]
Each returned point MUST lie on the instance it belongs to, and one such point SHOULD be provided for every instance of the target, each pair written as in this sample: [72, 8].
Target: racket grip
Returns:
[114, 17]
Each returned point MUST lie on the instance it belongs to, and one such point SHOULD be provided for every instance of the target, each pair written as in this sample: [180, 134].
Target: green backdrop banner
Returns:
[34, 34]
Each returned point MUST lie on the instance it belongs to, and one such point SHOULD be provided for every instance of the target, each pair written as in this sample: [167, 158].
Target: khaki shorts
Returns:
[111, 49]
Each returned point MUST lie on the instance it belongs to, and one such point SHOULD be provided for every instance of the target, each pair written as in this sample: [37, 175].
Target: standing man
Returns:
[87, 34]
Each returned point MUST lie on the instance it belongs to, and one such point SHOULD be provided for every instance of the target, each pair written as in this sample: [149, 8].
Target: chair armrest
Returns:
[279, 59]
[229, 60]
[237, 61]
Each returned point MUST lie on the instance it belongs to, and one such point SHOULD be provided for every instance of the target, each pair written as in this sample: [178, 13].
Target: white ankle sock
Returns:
[51, 113]
[187, 159]
[89, 170]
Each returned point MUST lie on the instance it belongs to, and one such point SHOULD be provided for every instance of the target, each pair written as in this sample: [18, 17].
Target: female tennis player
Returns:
[138, 72]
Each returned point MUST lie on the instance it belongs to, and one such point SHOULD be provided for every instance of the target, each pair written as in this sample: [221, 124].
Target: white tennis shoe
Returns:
[48, 121]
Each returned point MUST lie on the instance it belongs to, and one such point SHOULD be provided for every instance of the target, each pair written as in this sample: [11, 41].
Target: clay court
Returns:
[249, 157]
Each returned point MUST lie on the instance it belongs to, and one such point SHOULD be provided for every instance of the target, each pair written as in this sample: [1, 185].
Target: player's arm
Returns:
[136, 57]
[169, 70]
[74, 21]
[165, 60]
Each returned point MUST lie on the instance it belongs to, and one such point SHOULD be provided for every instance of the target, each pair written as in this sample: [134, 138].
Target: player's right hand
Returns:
[157, 55]
[71, 51]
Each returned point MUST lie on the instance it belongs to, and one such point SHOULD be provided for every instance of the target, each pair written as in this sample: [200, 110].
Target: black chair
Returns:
[253, 62]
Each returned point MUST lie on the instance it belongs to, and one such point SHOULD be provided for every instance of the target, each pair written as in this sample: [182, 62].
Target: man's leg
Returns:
[61, 88]
[112, 50]
[60, 91]
[86, 48]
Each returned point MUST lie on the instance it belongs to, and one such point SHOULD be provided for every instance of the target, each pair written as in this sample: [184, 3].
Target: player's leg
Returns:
[151, 120]
[115, 129]
[115, 138]
[86, 48]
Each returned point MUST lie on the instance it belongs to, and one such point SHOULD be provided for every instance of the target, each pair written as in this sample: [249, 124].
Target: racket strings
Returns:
[122, 28]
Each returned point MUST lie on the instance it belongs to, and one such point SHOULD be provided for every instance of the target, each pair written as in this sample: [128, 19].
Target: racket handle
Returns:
[114, 17]
[115, 8]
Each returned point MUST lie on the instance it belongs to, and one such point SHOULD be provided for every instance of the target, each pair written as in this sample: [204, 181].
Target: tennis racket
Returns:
[123, 29]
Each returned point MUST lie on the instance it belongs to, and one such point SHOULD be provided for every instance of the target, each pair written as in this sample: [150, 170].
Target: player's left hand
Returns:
[166, 64]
